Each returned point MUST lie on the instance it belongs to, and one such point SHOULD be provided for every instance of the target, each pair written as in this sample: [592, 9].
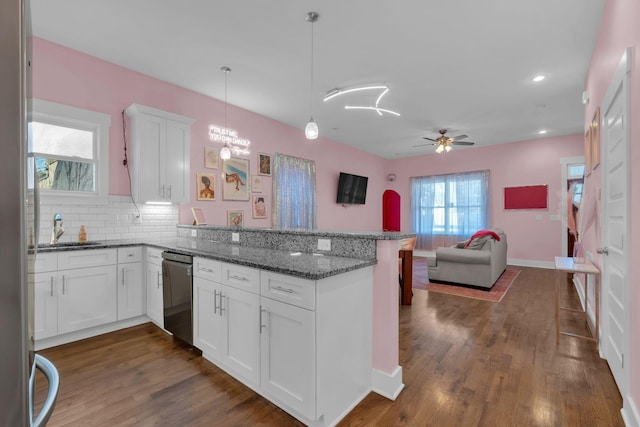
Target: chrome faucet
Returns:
[57, 229]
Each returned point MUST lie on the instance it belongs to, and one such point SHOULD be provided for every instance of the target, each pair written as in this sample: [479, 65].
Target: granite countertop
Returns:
[306, 265]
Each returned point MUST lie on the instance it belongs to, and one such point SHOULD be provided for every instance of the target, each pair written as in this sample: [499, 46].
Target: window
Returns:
[449, 208]
[294, 192]
[70, 147]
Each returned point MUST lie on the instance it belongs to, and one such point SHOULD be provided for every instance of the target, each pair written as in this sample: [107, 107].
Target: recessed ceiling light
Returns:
[542, 132]
[538, 78]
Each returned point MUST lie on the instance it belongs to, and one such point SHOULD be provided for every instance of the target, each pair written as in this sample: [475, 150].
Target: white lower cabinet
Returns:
[87, 298]
[155, 308]
[288, 355]
[75, 293]
[132, 293]
[226, 323]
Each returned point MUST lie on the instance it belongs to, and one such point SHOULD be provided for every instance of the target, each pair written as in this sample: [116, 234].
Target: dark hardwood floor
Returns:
[465, 363]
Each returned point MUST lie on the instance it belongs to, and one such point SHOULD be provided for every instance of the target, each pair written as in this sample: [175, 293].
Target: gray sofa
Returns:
[481, 264]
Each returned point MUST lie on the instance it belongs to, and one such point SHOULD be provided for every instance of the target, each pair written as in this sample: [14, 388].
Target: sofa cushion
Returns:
[463, 256]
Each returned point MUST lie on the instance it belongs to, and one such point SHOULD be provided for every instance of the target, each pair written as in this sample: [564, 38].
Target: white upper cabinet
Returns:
[159, 155]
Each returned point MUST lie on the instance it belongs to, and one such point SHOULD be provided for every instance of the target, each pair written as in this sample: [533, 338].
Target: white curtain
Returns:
[449, 208]
[294, 192]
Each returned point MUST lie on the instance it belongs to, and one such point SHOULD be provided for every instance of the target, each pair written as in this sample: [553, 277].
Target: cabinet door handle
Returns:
[242, 279]
[158, 278]
[222, 309]
[122, 276]
[51, 285]
[169, 190]
[215, 302]
[63, 285]
[262, 310]
[162, 191]
[280, 288]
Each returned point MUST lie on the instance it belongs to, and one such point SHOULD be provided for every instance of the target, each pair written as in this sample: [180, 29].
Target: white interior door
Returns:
[615, 263]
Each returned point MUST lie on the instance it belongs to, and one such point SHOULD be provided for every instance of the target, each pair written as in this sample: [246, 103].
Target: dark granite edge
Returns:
[114, 244]
[369, 235]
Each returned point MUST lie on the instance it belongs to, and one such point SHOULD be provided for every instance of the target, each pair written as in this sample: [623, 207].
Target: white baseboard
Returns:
[387, 385]
[629, 412]
[88, 333]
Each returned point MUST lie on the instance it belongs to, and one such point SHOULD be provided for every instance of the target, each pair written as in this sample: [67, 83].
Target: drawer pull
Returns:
[242, 279]
[280, 288]
[208, 270]
[154, 256]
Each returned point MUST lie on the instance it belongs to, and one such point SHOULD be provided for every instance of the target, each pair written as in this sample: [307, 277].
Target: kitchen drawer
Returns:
[241, 277]
[288, 289]
[45, 262]
[130, 254]
[209, 269]
[86, 258]
[154, 256]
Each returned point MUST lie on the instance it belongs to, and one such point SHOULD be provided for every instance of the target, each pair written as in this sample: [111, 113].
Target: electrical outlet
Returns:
[194, 233]
[324, 244]
[235, 237]
[554, 217]
[538, 217]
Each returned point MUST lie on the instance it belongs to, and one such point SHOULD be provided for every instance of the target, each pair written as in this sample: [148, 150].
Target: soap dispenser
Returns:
[82, 234]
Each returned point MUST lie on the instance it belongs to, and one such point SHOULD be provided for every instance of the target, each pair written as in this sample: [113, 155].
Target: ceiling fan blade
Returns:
[430, 139]
[459, 137]
[423, 145]
[463, 143]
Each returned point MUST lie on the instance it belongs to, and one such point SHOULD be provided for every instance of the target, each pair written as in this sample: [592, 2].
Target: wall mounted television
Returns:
[352, 189]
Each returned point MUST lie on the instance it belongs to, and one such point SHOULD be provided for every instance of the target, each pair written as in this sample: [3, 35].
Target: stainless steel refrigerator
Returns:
[18, 227]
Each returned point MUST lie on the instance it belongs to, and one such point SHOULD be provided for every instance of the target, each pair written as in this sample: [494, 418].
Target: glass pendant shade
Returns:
[225, 153]
[311, 130]
[440, 149]
[448, 148]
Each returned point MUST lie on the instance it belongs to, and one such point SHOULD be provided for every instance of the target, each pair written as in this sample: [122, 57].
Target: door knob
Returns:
[604, 250]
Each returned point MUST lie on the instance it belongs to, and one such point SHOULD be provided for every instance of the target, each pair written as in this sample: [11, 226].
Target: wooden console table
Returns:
[406, 256]
[565, 265]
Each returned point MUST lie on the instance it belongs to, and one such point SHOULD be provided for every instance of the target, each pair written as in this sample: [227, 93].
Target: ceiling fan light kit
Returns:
[445, 143]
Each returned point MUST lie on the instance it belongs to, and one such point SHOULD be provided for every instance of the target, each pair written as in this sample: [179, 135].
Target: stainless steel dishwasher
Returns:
[177, 295]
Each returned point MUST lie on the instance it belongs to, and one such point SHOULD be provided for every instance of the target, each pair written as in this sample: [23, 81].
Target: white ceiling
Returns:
[464, 65]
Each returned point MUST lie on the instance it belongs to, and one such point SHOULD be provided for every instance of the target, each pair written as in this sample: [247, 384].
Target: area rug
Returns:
[495, 294]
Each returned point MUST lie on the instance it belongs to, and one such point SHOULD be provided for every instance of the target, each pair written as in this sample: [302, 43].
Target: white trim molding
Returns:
[387, 385]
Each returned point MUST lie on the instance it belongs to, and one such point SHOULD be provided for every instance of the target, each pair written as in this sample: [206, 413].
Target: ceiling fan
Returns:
[444, 142]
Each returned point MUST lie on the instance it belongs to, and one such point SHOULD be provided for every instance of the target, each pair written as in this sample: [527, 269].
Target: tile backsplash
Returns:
[116, 220]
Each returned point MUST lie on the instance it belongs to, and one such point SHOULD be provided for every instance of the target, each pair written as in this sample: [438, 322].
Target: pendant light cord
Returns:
[125, 163]
[311, 81]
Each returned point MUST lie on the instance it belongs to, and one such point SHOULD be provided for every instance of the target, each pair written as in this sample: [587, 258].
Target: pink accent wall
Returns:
[70, 77]
[516, 164]
[619, 29]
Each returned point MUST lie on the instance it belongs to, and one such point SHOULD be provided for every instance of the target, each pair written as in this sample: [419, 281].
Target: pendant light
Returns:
[311, 130]
[225, 152]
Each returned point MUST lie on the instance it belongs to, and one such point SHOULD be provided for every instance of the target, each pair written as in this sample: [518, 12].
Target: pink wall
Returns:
[619, 29]
[515, 164]
[70, 77]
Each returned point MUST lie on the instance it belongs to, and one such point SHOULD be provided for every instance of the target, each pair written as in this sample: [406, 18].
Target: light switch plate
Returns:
[324, 244]
[235, 237]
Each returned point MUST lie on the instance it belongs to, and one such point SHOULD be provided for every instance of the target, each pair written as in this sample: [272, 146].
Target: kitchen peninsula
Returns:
[308, 319]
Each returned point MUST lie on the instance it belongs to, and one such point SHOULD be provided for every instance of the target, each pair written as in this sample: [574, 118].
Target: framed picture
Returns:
[595, 139]
[259, 206]
[198, 216]
[211, 156]
[235, 185]
[235, 218]
[256, 183]
[264, 164]
[206, 185]
[587, 152]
